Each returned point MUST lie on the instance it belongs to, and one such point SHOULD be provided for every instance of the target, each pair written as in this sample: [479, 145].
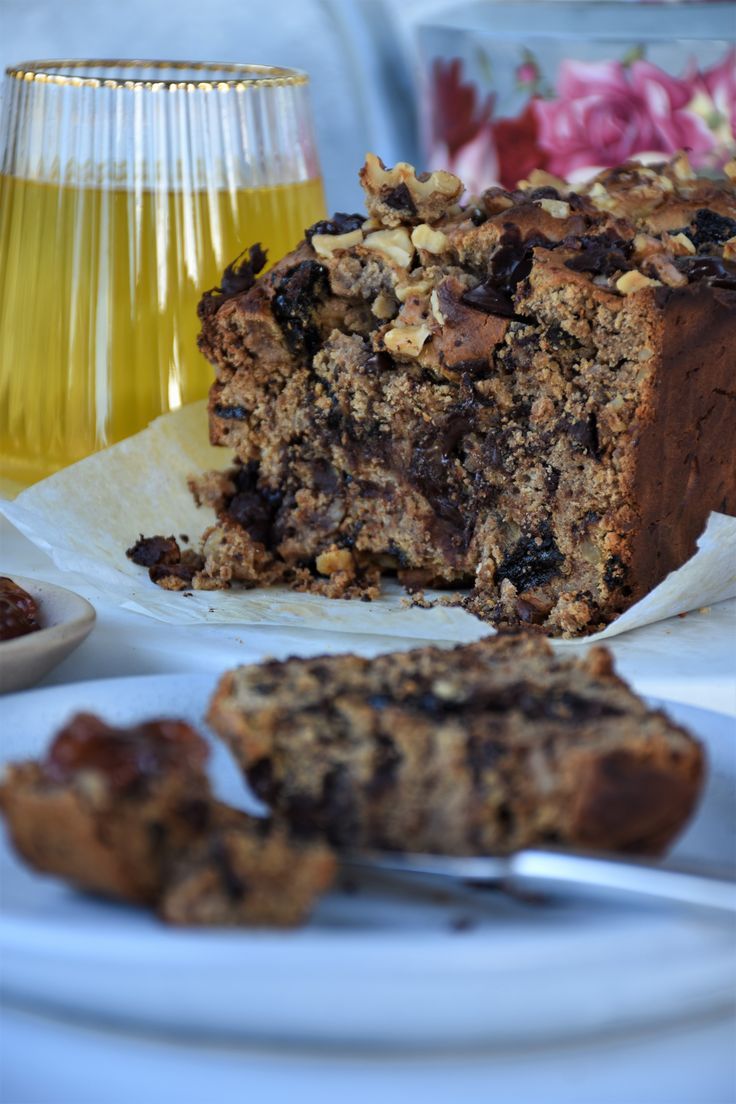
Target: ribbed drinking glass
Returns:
[125, 189]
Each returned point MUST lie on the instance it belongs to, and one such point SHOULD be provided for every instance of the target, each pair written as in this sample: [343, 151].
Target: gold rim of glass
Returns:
[238, 76]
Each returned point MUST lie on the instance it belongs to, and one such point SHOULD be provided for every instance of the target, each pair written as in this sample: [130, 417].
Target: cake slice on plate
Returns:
[128, 813]
[486, 748]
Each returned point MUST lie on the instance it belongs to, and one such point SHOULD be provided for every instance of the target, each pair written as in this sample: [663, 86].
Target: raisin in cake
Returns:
[485, 748]
[529, 393]
[128, 813]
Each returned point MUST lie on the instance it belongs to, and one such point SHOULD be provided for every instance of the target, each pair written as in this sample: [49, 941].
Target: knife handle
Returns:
[601, 875]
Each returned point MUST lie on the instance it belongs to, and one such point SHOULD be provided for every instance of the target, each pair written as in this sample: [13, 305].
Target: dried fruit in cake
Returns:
[19, 612]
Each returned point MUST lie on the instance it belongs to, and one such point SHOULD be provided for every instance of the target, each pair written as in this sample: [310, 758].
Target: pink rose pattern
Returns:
[606, 113]
[602, 113]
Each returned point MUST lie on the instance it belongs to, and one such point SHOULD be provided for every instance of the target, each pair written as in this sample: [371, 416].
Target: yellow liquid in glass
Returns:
[98, 305]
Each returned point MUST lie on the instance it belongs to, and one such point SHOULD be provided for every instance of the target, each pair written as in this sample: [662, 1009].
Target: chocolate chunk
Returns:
[714, 270]
[482, 754]
[293, 306]
[238, 277]
[615, 573]
[485, 297]
[602, 255]
[385, 765]
[379, 362]
[557, 338]
[493, 451]
[325, 477]
[399, 199]
[232, 413]
[532, 610]
[545, 192]
[431, 468]
[551, 478]
[252, 506]
[584, 434]
[339, 807]
[340, 223]
[173, 576]
[534, 560]
[234, 885]
[261, 779]
[148, 551]
[512, 262]
[710, 228]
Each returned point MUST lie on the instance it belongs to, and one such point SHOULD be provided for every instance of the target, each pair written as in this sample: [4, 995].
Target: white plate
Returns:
[381, 967]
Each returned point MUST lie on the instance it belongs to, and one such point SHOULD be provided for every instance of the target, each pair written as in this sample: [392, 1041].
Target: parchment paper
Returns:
[88, 514]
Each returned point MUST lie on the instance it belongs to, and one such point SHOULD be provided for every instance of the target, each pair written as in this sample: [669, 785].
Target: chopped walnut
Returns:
[398, 195]
[383, 306]
[646, 246]
[419, 288]
[407, 340]
[665, 270]
[680, 244]
[434, 301]
[334, 560]
[634, 281]
[540, 178]
[682, 168]
[433, 241]
[325, 245]
[601, 197]
[557, 208]
[394, 244]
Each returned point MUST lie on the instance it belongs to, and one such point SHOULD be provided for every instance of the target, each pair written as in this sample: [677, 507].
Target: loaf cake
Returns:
[485, 748]
[128, 813]
[528, 394]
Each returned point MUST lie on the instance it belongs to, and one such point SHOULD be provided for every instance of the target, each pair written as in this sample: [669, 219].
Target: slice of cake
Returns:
[128, 813]
[486, 748]
[528, 393]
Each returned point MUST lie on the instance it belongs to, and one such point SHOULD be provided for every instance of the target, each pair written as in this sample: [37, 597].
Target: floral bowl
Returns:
[575, 87]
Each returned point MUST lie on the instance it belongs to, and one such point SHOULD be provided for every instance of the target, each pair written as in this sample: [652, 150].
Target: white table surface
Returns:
[45, 1060]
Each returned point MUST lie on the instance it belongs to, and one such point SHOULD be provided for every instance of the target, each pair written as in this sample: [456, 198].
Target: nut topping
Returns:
[406, 341]
[433, 241]
[399, 195]
[394, 244]
[325, 245]
[557, 208]
[634, 281]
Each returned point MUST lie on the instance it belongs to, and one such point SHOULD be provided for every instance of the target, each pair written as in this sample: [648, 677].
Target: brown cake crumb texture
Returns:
[128, 813]
[485, 748]
[527, 393]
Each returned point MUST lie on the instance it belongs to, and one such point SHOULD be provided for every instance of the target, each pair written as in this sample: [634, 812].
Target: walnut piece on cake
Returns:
[128, 813]
[485, 748]
[528, 394]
